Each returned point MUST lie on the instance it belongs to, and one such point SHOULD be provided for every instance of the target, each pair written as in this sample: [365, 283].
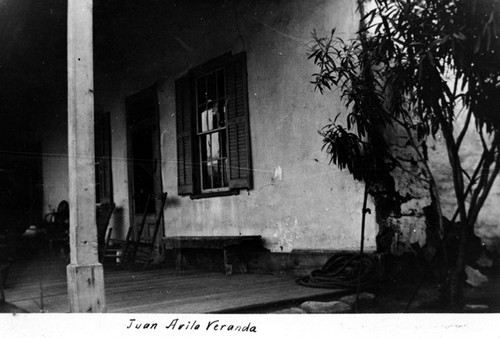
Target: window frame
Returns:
[238, 169]
[200, 133]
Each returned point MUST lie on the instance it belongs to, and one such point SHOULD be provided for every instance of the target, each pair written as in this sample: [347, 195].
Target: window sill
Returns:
[214, 194]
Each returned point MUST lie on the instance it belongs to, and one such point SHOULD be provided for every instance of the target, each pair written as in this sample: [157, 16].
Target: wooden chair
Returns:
[103, 215]
[135, 248]
[118, 250]
[57, 227]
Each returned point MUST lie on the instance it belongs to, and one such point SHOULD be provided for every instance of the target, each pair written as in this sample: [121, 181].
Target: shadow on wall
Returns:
[173, 201]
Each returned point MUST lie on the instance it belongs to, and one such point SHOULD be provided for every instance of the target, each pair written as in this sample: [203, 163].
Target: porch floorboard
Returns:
[161, 290]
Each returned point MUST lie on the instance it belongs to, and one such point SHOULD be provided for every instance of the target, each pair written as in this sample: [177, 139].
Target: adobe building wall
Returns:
[411, 190]
[298, 200]
[411, 193]
[487, 225]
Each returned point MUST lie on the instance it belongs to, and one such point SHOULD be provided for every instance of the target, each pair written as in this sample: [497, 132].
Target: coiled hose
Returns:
[343, 271]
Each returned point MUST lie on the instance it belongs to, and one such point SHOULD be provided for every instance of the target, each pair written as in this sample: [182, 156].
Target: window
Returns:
[213, 148]
[211, 133]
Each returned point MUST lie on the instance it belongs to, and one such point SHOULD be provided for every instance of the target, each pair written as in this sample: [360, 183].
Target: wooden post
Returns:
[85, 274]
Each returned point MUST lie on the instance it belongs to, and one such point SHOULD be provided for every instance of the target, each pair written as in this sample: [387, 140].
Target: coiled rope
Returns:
[344, 271]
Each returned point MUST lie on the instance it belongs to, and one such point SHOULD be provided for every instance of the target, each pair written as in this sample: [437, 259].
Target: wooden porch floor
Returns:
[160, 290]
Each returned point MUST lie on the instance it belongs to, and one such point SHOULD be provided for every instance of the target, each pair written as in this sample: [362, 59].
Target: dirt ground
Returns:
[481, 299]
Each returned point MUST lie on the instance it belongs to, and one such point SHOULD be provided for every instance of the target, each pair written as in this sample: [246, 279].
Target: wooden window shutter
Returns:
[240, 172]
[102, 146]
[184, 135]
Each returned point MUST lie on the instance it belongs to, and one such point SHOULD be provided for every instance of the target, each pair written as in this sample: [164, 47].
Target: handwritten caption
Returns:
[187, 325]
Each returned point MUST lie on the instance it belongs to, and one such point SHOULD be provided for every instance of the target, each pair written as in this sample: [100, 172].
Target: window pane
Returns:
[215, 146]
[222, 143]
[201, 90]
[221, 112]
[224, 172]
[211, 115]
[201, 104]
[213, 118]
[213, 161]
[211, 87]
[203, 120]
[205, 155]
[221, 85]
[217, 173]
[211, 101]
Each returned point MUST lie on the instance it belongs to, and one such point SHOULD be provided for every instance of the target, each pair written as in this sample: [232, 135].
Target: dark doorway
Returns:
[103, 176]
[143, 151]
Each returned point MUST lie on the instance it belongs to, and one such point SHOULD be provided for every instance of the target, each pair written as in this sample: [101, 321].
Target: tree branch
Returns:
[456, 167]
[486, 181]
[486, 191]
[488, 158]
[473, 178]
[465, 128]
[483, 178]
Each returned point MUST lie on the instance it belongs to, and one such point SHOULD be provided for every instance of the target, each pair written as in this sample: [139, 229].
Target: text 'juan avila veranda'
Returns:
[178, 325]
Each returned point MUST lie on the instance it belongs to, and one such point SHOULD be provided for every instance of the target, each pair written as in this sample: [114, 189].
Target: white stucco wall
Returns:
[488, 223]
[312, 205]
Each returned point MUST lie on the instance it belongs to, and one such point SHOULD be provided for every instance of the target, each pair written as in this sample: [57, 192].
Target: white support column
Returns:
[85, 274]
